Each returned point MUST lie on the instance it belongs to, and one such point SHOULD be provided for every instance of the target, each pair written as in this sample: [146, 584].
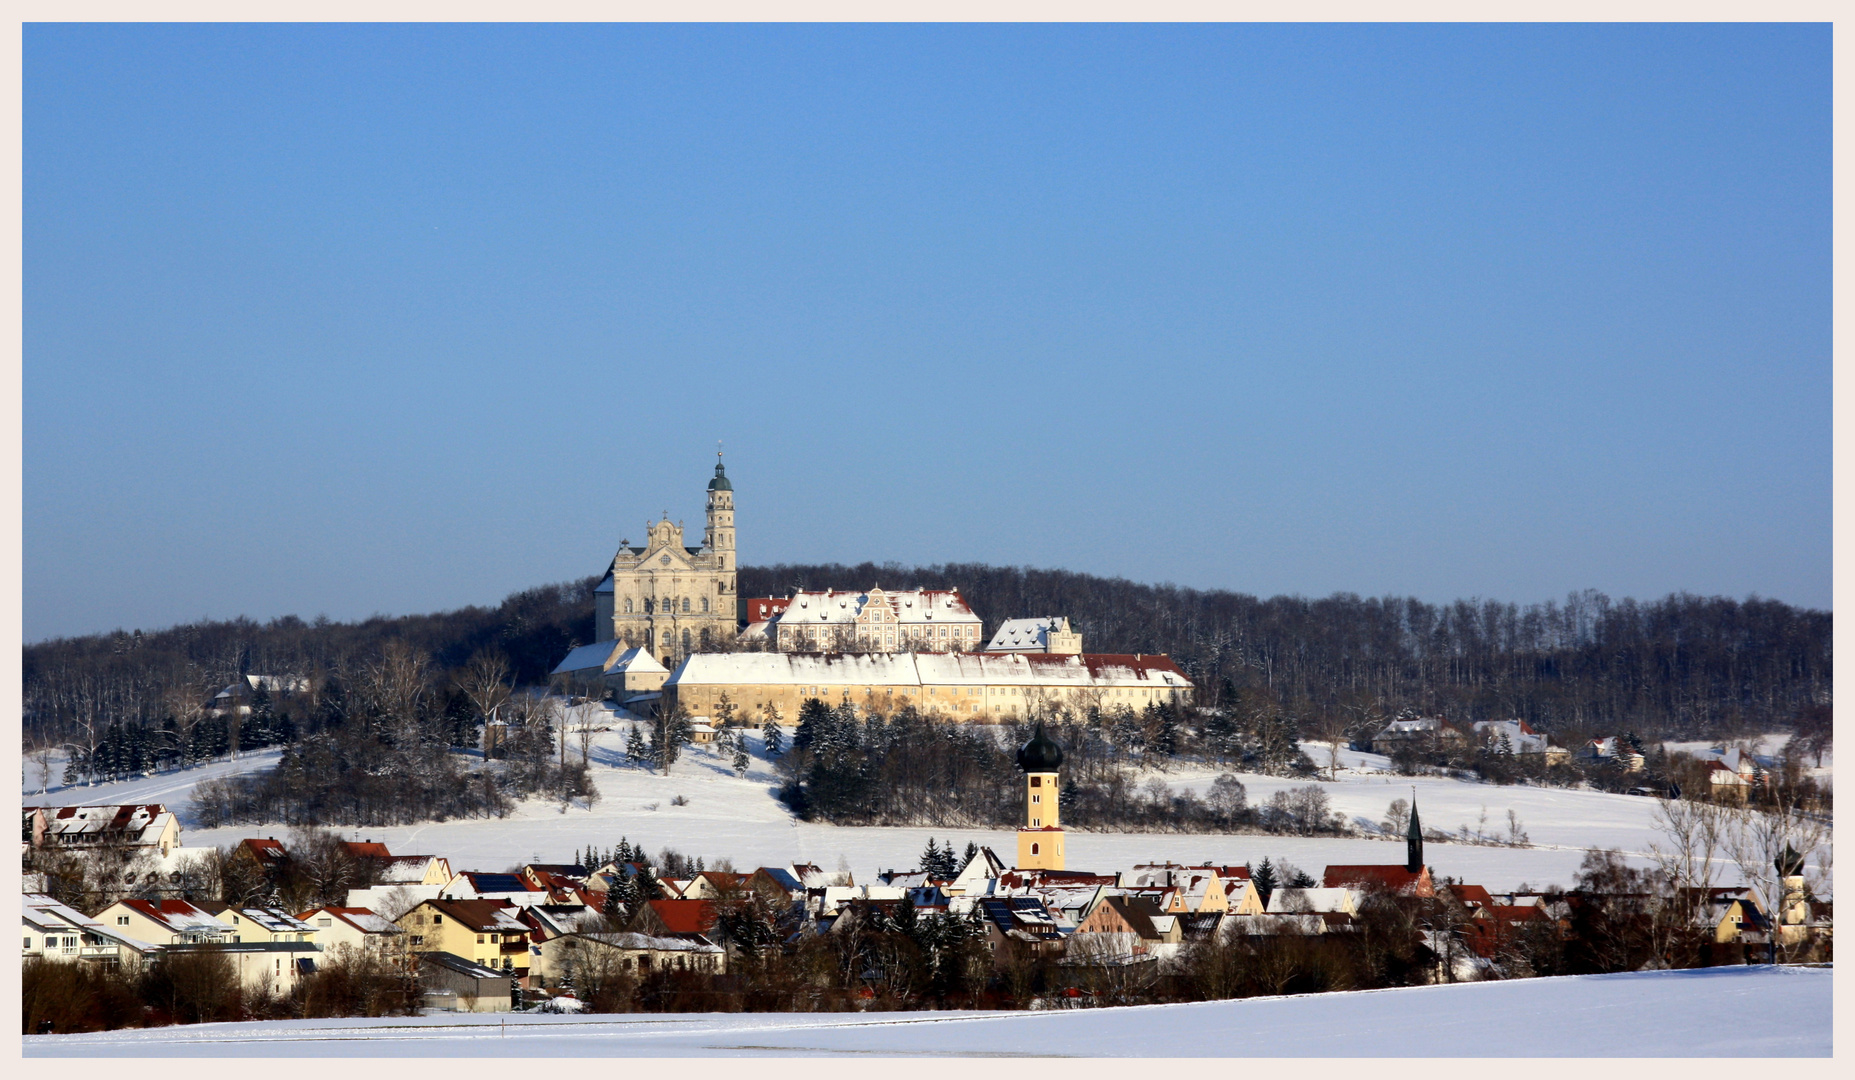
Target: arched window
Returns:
[1033, 849]
[685, 604]
[627, 605]
[685, 641]
[705, 605]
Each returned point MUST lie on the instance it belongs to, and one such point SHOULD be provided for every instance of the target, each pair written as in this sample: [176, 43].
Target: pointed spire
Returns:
[1413, 840]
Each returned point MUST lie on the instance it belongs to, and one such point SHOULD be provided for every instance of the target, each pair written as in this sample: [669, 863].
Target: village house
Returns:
[237, 697]
[673, 918]
[714, 885]
[147, 826]
[476, 885]
[56, 931]
[165, 922]
[356, 929]
[613, 667]
[260, 923]
[1494, 928]
[1019, 927]
[1616, 750]
[1126, 926]
[391, 901]
[484, 932]
[548, 921]
[557, 960]
[1426, 734]
[271, 967]
[1518, 737]
[455, 984]
[265, 855]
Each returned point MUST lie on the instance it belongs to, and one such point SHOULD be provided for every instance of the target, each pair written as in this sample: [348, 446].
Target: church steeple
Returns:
[1040, 841]
[719, 538]
[1413, 841]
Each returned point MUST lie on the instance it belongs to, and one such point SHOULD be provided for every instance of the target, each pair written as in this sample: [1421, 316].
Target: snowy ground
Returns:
[1713, 1012]
[739, 819]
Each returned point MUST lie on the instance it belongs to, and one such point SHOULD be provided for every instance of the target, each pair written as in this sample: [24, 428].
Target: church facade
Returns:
[667, 597]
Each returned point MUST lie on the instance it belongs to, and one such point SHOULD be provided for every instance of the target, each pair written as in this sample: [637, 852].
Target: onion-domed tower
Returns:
[1040, 841]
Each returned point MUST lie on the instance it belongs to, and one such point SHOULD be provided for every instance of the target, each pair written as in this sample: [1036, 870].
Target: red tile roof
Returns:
[1391, 876]
[1471, 894]
[685, 916]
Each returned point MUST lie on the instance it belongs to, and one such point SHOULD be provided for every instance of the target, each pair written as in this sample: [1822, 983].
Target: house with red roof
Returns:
[670, 917]
[353, 928]
[165, 922]
[135, 825]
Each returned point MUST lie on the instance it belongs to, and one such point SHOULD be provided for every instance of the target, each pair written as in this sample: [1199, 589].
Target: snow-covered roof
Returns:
[1412, 725]
[908, 607]
[597, 655]
[274, 920]
[648, 941]
[1520, 735]
[47, 915]
[360, 918]
[481, 915]
[639, 660]
[132, 823]
[178, 916]
[1027, 633]
[270, 684]
[930, 669]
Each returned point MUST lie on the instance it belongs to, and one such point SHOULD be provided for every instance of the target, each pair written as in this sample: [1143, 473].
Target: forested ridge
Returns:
[1682, 666]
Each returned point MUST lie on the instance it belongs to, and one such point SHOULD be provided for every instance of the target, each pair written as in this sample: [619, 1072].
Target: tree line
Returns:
[1680, 667]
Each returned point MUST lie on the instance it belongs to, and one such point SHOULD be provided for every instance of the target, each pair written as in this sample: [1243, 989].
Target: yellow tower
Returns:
[1040, 841]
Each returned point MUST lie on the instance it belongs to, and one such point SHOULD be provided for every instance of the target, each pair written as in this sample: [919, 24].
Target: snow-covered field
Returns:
[739, 819]
[1713, 1012]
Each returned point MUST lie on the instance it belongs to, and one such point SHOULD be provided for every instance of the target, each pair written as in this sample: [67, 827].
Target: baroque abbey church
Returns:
[668, 598]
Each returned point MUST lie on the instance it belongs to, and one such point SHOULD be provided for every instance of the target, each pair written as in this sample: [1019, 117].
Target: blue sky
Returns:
[347, 320]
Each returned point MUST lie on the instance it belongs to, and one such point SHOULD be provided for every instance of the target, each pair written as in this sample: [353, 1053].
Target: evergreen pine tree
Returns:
[647, 885]
[741, 758]
[772, 736]
[636, 753]
[614, 907]
[1263, 880]
[972, 852]
[930, 857]
[812, 714]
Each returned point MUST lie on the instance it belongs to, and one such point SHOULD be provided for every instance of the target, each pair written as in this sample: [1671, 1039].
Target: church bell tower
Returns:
[1040, 841]
[720, 536]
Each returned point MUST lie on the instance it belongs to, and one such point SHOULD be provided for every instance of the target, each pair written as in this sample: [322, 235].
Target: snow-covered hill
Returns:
[1713, 1012]
[738, 818]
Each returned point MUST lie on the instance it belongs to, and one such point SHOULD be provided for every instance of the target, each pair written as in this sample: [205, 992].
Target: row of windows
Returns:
[668, 604]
